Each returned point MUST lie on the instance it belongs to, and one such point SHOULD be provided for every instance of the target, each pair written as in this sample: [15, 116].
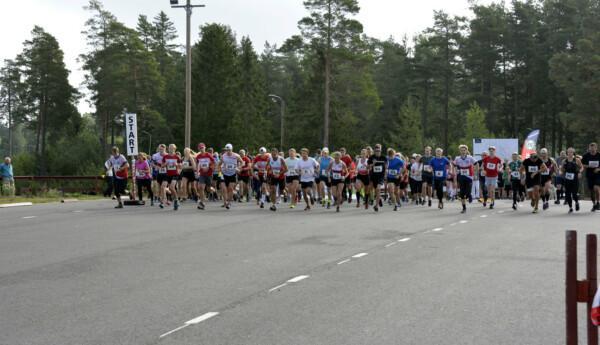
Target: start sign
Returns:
[131, 139]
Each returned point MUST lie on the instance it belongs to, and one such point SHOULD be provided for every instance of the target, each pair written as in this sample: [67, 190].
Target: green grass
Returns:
[46, 199]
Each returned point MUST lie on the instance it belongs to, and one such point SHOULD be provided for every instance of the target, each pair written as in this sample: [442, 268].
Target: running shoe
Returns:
[577, 207]
[262, 204]
[514, 207]
[429, 202]
[337, 209]
[119, 206]
[161, 205]
[175, 205]
[535, 210]
[570, 210]
[395, 207]
[273, 208]
[376, 208]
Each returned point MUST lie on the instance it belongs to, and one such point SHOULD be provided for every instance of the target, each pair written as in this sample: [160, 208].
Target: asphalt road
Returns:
[85, 273]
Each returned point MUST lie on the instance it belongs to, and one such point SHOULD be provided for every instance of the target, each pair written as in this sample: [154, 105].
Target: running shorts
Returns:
[291, 179]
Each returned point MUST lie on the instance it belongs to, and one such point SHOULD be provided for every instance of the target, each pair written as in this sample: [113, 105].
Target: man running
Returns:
[440, 166]
[491, 166]
[323, 179]
[395, 169]
[559, 179]
[427, 176]
[276, 170]
[337, 171]
[571, 169]
[591, 162]
[244, 176]
[172, 164]
[120, 167]
[546, 176]
[480, 171]
[292, 178]
[347, 159]
[362, 178]
[463, 178]
[307, 167]
[514, 170]
[377, 165]
[532, 168]
[260, 175]
[160, 171]
[205, 164]
[229, 166]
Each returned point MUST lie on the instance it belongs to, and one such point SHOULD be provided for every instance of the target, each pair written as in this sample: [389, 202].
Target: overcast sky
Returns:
[262, 20]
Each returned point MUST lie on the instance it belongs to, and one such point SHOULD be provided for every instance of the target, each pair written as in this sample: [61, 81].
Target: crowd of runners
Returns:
[371, 179]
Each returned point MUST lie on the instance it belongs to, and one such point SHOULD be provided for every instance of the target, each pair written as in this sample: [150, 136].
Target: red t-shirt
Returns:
[349, 164]
[491, 166]
[205, 161]
[245, 171]
[260, 163]
[170, 161]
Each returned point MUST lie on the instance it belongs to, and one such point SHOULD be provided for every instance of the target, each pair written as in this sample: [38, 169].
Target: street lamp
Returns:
[149, 142]
[276, 98]
[188, 68]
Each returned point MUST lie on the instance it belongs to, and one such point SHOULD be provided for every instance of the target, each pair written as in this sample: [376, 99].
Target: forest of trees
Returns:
[504, 71]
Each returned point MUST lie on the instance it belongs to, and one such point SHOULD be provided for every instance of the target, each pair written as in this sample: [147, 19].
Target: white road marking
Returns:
[297, 279]
[390, 244]
[500, 212]
[77, 211]
[483, 216]
[453, 224]
[360, 255]
[438, 229]
[404, 239]
[29, 217]
[278, 287]
[463, 221]
[173, 331]
[191, 322]
[16, 204]
[343, 262]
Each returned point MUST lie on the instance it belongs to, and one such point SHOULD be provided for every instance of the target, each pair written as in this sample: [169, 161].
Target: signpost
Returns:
[131, 134]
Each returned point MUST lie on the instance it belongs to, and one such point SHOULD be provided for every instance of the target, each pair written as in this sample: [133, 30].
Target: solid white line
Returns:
[173, 331]
[360, 255]
[390, 244]
[278, 287]
[463, 221]
[483, 216]
[16, 204]
[343, 262]
[404, 239]
[438, 229]
[297, 279]
[29, 217]
[201, 318]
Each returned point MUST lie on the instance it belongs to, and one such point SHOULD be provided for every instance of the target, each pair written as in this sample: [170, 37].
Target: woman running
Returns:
[463, 177]
[362, 178]
[276, 170]
[416, 179]
[143, 177]
[188, 176]
[337, 172]
[292, 178]
[172, 164]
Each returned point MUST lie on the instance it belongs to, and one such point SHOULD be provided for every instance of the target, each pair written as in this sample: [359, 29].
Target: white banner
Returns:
[131, 139]
[504, 147]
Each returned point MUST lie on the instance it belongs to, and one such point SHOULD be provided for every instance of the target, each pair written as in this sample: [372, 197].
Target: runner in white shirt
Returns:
[307, 167]
[463, 178]
[292, 177]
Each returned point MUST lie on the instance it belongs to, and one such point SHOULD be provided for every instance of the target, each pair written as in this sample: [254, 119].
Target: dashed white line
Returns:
[500, 212]
[278, 287]
[360, 255]
[404, 239]
[77, 211]
[191, 322]
[343, 262]
[437, 229]
[390, 244]
[463, 221]
[29, 217]
[453, 224]
[297, 279]
[483, 216]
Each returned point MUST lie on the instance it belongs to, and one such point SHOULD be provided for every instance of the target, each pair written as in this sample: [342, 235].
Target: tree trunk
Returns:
[327, 79]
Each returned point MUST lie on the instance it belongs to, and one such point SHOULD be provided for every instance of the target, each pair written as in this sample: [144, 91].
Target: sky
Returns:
[261, 20]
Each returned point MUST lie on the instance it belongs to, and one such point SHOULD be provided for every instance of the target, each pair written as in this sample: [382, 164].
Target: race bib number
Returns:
[186, 164]
[378, 169]
[465, 172]
[140, 173]
[570, 176]
[532, 169]
[171, 167]
[428, 168]
[594, 164]
[515, 174]
[292, 172]
[230, 166]
[439, 173]
[337, 176]
[393, 172]
[204, 165]
[306, 172]
[276, 171]
[546, 172]
[162, 170]
[491, 166]
[117, 167]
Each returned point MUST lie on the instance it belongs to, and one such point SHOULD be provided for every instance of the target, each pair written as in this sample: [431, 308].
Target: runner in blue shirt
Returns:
[440, 165]
[395, 168]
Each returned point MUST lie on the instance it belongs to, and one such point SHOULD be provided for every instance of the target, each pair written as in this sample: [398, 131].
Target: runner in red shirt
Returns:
[205, 166]
[491, 165]
[244, 176]
[172, 162]
[260, 175]
[347, 159]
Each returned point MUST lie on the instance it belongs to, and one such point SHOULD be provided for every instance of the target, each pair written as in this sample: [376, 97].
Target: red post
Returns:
[592, 278]
[571, 287]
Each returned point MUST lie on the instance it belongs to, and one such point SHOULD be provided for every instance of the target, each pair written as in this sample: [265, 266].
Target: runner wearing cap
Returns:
[491, 166]
[276, 170]
[205, 165]
[229, 166]
[260, 175]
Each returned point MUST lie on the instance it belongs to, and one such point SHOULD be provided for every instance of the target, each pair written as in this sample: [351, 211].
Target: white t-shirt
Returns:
[291, 166]
[307, 169]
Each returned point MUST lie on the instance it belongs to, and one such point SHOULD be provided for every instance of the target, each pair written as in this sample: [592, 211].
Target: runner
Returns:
[480, 171]
[362, 178]
[172, 164]
[514, 170]
[292, 177]
[591, 162]
[532, 168]
[427, 176]
[229, 166]
[450, 190]
[463, 177]
[377, 163]
[416, 179]
[337, 171]
[244, 176]
[205, 165]
[395, 170]
[440, 166]
[546, 176]
[571, 169]
[307, 166]
[260, 175]
[118, 164]
[143, 178]
[348, 183]
[323, 182]
[188, 175]
[276, 169]
[559, 179]
[491, 166]
[159, 170]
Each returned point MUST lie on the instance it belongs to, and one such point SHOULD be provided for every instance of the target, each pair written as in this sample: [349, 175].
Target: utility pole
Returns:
[282, 114]
[188, 67]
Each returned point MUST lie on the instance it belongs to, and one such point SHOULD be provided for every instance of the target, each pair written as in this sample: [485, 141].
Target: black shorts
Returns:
[217, 178]
[229, 180]
[305, 185]
[188, 174]
[392, 180]
[160, 178]
[348, 180]
[244, 179]
[530, 183]
[119, 186]
[168, 179]
[464, 185]
[336, 182]
[403, 185]
[376, 179]
[427, 178]
[364, 179]
[324, 179]
[545, 179]
[291, 179]
[277, 182]
[593, 180]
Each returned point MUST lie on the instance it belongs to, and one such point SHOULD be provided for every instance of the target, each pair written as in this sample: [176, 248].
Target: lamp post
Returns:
[149, 142]
[276, 98]
[188, 68]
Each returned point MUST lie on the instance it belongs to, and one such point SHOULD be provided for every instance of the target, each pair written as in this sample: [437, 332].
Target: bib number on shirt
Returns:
[307, 172]
[140, 173]
[162, 170]
[171, 167]
[570, 176]
[465, 172]
[186, 164]
[230, 166]
[546, 172]
[393, 172]
[428, 168]
[337, 176]
[532, 169]
[439, 173]
[204, 165]
[377, 169]
[594, 164]
[515, 174]
[276, 171]
[491, 166]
